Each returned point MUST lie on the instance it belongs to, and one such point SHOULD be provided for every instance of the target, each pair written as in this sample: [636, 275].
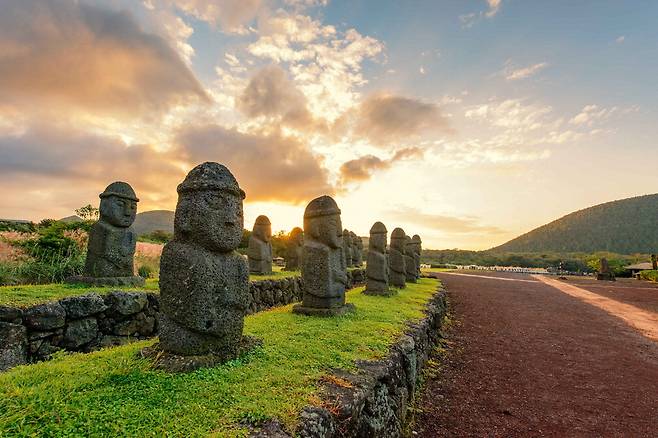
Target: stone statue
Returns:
[347, 248]
[204, 282]
[409, 261]
[294, 249]
[357, 250]
[654, 262]
[396, 259]
[377, 263]
[111, 246]
[324, 274]
[418, 249]
[260, 247]
[604, 271]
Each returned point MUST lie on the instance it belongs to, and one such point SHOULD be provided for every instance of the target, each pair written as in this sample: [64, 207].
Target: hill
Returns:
[71, 219]
[150, 221]
[626, 226]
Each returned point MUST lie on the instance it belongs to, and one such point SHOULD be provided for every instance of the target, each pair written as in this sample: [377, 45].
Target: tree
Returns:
[88, 212]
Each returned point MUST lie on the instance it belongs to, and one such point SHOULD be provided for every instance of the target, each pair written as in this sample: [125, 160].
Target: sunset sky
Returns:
[467, 122]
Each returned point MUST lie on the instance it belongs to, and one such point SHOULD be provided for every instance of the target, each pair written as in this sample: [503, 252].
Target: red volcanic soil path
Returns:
[527, 359]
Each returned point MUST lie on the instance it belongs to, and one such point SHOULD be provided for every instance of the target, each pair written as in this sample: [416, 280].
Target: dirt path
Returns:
[526, 359]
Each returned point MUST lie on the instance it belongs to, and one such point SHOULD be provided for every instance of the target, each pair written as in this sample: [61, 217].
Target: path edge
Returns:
[374, 400]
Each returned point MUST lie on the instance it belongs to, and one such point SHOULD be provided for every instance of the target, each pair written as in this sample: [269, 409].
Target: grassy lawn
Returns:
[427, 270]
[28, 295]
[111, 392]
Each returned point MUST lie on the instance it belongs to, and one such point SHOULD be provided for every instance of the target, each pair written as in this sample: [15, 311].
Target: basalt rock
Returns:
[409, 261]
[377, 263]
[204, 282]
[294, 248]
[259, 251]
[605, 273]
[347, 248]
[112, 241]
[418, 249]
[324, 273]
[397, 260]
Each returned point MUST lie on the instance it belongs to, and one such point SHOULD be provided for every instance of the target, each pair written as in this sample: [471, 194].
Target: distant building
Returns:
[639, 267]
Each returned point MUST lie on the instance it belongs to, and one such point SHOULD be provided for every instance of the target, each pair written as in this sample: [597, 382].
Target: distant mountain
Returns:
[71, 219]
[150, 221]
[626, 226]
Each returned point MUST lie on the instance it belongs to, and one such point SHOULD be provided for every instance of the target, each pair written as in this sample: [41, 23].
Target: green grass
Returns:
[31, 294]
[111, 392]
[277, 274]
[437, 269]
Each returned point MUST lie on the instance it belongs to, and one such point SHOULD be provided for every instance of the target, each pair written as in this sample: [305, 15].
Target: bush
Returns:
[649, 276]
[56, 252]
[145, 271]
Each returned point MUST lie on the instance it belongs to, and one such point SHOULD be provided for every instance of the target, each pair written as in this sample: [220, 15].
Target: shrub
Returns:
[649, 275]
[145, 271]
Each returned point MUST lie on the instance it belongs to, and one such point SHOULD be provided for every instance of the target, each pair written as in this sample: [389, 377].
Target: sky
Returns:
[467, 122]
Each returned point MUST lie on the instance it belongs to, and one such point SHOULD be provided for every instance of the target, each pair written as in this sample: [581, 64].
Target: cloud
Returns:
[269, 167]
[620, 39]
[385, 118]
[230, 15]
[494, 7]
[58, 168]
[591, 114]
[362, 168]
[65, 54]
[324, 63]
[514, 74]
[468, 20]
[444, 224]
[271, 94]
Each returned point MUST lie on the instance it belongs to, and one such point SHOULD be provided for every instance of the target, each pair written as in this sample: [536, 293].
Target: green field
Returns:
[28, 295]
[112, 392]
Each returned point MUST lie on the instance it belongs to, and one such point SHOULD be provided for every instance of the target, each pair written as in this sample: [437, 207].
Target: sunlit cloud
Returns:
[384, 119]
[69, 55]
[362, 168]
[512, 73]
[231, 16]
[270, 167]
[446, 224]
[272, 95]
[325, 64]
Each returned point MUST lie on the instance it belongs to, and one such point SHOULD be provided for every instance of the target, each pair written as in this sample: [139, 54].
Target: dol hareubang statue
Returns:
[396, 259]
[409, 260]
[112, 241]
[347, 248]
[418, 249]
[377, 263]
[259, 251]
[294, 248]
[204, 282]
[357, 248]
[324, 273]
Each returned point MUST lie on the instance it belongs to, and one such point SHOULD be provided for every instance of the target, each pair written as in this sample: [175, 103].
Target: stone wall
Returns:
[80, 323]
[92, 321]
[373, 401]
